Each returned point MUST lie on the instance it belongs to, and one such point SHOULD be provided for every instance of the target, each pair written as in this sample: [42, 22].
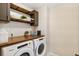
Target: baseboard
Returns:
[51, 54]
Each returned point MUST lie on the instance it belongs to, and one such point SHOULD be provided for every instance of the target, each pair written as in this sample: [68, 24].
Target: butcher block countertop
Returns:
[19, 39]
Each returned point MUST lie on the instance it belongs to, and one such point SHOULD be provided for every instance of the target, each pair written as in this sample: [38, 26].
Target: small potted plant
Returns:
[23, 17]
[26, 33]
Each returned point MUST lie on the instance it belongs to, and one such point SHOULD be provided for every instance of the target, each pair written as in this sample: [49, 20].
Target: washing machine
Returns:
[20, 49]
[40, 46]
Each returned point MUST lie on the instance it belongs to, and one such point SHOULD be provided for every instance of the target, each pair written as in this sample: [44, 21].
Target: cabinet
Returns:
[34, 15]
[4, 12]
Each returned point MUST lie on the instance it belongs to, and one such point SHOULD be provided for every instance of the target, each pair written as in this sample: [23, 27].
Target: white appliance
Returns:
[20, 49]
[40, 46]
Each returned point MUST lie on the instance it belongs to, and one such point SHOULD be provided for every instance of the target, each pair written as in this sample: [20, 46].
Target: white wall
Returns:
[16, 28]
[63, 29]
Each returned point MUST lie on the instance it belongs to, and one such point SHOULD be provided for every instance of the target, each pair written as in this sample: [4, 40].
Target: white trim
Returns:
[51, 54]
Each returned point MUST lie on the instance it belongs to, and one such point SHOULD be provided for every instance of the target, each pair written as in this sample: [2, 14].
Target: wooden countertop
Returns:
[19, 39]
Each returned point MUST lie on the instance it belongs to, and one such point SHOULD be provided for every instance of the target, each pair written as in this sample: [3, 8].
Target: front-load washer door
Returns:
[40, 49]
[24, 52]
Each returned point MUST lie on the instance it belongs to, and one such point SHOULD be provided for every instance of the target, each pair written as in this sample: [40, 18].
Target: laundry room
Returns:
[39, 29]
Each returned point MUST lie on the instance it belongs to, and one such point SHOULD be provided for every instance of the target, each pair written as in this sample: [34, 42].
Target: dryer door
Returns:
[25, 52]
[41, 48]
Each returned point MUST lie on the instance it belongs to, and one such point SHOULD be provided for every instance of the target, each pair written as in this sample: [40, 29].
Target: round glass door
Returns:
[25, 54]
[40, 48]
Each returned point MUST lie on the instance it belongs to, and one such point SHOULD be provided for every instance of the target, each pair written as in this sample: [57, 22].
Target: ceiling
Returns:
[33, 5]
[38, 5]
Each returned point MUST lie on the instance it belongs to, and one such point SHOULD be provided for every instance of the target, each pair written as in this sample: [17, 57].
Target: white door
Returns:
[41, 49]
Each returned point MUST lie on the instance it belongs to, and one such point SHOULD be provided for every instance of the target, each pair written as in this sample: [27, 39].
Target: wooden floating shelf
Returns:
[15, 7]
[20, 20]
[18, 39]
[33, 14]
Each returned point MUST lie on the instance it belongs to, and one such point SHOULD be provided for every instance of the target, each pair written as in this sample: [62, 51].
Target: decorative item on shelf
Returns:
[26, 33]
[23, 17]
[3, 36]
[11, 36]
[32, 21]
[38, 32]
